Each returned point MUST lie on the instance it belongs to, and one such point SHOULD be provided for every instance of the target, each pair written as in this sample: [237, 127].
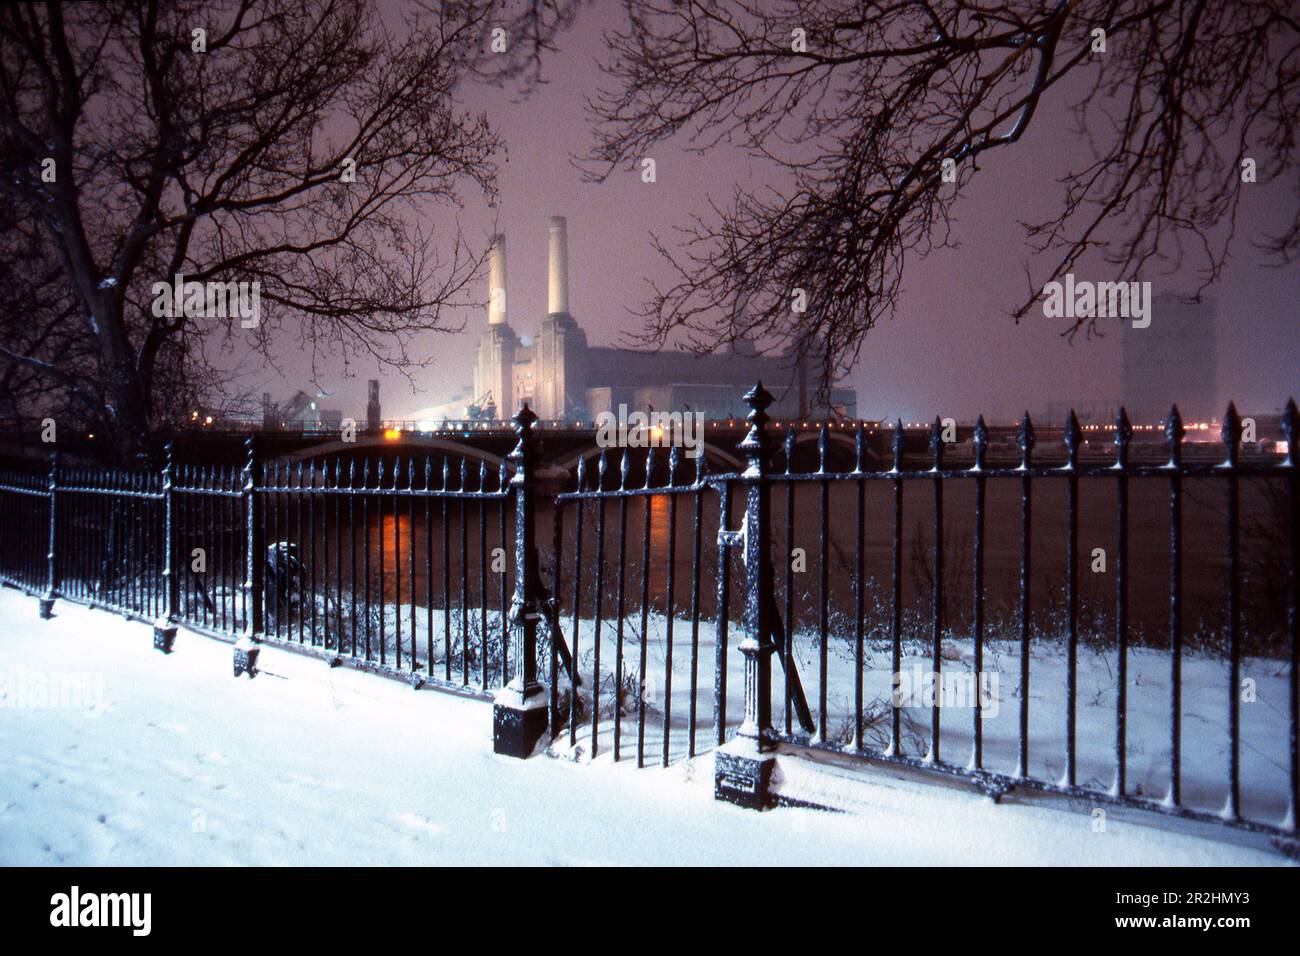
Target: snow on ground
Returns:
[1204, 737]
[112, 753]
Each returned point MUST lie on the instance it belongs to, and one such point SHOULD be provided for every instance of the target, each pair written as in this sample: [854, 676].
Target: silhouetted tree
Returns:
[862, 104]
[141, 140]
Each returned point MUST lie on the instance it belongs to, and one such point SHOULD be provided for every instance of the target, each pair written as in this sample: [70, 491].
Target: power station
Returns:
[563, 378]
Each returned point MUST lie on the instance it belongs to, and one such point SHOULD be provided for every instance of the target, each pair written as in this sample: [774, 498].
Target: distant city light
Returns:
[392, 434]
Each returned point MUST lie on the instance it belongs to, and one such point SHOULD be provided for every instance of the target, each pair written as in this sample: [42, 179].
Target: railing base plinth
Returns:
[164, 636]
[993, 788]
[245, 660]
[1289, 847]
[518, 726]
[743, 776]
[46, 610]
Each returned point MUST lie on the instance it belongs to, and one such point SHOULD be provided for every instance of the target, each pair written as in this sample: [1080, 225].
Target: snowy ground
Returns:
[1204, 736]
[111, 753]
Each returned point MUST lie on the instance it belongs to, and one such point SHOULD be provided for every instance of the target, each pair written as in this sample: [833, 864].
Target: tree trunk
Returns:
[128, 411]
[127, 390]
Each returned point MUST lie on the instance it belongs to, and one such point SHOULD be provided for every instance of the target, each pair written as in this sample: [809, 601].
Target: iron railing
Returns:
[1026, 476]
[612, 613]
[27, 558]
[403, 565]
[854, 629]
[382, 564]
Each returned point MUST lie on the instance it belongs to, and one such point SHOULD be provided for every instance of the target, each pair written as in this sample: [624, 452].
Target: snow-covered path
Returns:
[113, 754]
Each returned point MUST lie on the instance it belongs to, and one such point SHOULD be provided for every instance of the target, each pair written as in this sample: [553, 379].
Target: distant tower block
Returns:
[497, 282]
[558, 289]
[372, 406]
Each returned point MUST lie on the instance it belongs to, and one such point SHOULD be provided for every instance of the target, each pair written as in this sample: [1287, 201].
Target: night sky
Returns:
[951, 348]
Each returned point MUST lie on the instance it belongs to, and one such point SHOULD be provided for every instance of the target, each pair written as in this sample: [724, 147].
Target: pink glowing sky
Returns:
[949, 349]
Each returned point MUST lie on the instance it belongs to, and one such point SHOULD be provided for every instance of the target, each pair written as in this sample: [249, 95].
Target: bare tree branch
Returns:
[226, 164]
[865, 116]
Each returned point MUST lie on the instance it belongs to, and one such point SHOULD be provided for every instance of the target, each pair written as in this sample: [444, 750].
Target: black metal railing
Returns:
[1077, 665]
[623, 626]
[208, 547]
[1128, 609]
[108, 528]
[388, 563]
[1025, 635]
[27, 560]
[399, 566]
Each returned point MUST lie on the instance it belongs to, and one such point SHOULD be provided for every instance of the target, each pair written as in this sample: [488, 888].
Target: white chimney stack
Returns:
[558, 292]
[497, 282]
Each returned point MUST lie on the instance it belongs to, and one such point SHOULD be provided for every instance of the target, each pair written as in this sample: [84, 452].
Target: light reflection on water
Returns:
[402, 539]
[401, 545]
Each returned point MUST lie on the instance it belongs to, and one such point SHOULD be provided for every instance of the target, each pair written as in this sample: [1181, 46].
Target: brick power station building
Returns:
[562, 377]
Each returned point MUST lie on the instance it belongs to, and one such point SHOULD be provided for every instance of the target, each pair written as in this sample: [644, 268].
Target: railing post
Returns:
[743, 766]
[51, 556]
[254, 567]
[164, 629]
[519, 710]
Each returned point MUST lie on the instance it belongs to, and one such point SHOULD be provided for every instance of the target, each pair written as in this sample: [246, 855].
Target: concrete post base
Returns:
[516, 726]
[245, 658]
[46, 609]
[164, 635]
[743, 776]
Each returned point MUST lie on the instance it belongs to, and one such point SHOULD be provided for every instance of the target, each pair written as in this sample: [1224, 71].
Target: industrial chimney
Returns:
[497, 281]
[558, 292]
[372, 406]
[494, 358]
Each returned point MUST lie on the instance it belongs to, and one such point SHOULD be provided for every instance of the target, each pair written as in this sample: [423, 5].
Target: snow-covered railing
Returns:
[1064, 665]
[655, 606]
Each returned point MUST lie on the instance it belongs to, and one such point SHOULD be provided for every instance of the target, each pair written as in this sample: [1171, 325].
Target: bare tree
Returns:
[301, 144]
[863, 104]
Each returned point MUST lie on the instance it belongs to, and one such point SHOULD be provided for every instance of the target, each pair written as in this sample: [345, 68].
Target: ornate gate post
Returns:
[46, 605]
[245, 657]
[742, 769]
[519, 710]
[164, 629]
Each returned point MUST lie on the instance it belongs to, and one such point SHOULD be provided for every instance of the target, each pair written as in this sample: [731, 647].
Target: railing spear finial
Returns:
[980, 439]
[1231, 432]
[1174, 432]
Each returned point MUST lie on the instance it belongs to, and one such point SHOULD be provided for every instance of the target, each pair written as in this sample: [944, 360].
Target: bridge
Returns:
[561, 444]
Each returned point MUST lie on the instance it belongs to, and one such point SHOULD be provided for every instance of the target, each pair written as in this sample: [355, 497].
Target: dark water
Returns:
[799, 550]
[411, 550]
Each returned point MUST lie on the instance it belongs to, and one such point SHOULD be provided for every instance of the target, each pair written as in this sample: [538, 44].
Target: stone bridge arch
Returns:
[452, 449]
[844, 439]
